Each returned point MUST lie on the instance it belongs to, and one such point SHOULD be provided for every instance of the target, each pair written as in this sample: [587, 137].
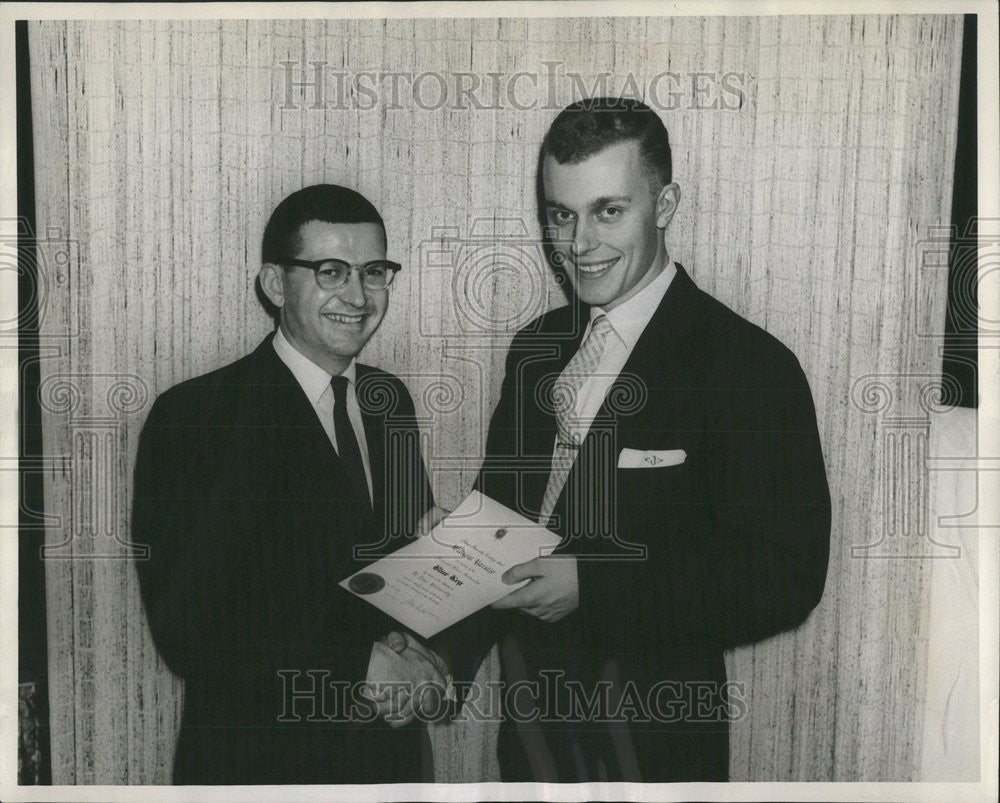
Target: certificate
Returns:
[454, 570]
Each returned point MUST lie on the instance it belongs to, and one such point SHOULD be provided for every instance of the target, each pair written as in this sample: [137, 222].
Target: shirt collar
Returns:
[629, 319]
[314, 380]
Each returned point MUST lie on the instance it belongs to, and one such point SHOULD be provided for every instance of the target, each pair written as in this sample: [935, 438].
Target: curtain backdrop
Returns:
[814, 156]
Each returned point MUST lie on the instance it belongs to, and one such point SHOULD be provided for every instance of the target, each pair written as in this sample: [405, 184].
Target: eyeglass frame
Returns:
[316, 264]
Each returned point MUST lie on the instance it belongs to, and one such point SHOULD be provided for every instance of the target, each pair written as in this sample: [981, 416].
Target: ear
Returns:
[272, 282]
[666, 204]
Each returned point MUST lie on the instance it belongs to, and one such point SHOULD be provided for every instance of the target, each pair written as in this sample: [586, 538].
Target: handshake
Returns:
[406, 679]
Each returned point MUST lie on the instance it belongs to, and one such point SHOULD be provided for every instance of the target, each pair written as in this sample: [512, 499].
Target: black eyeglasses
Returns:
[334, 273]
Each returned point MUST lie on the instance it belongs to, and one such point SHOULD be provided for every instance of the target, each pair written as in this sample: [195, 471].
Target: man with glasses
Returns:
[254, 486]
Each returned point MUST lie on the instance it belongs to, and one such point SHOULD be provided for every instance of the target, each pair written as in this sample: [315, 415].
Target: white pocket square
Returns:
[639, 458]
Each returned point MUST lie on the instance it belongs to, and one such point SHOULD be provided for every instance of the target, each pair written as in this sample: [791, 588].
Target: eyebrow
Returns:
[597, 203]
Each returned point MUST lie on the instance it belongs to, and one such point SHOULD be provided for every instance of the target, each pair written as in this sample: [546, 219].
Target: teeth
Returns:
[596, 267]
[344, 318]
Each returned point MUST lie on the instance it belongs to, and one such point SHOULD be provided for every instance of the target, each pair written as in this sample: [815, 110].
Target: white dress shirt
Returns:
[316, 383]
[628, 321]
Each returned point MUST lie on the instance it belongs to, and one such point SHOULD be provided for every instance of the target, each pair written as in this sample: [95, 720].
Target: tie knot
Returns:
[600, 327]
[339, 384]
[601, 324]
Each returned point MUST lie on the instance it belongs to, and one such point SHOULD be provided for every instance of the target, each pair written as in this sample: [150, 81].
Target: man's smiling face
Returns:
[609, 214]
[330, 327]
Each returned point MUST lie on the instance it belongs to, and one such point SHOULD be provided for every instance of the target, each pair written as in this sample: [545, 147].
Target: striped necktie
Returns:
[569, 434]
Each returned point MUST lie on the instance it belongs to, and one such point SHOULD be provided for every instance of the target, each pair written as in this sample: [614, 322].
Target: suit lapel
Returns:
[374, 424]
[661, 348]
[556, 346]
[276, 390]
[306, 441]
[585, 506]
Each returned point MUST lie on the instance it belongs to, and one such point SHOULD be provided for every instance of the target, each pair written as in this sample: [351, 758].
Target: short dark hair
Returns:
[329, 203]
[590, 125]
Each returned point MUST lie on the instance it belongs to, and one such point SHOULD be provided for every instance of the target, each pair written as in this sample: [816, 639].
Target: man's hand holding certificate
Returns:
[456, 569]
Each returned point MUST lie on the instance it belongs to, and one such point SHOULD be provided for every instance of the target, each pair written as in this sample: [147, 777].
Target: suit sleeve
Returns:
[747, 557]
[238, 581]
[177, 545]
[499, 477]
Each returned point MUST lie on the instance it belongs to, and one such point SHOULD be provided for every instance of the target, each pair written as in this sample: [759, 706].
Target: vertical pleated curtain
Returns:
[814, 156]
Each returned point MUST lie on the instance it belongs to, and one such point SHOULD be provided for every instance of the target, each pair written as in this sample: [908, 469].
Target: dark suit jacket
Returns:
[251, 523]
[676, 563]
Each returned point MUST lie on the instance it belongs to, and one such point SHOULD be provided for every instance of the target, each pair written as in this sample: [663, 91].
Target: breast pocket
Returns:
[653, 484]
[651, 458]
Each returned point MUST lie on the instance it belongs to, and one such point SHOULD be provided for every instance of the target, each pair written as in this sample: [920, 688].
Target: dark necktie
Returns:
[347, 442]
